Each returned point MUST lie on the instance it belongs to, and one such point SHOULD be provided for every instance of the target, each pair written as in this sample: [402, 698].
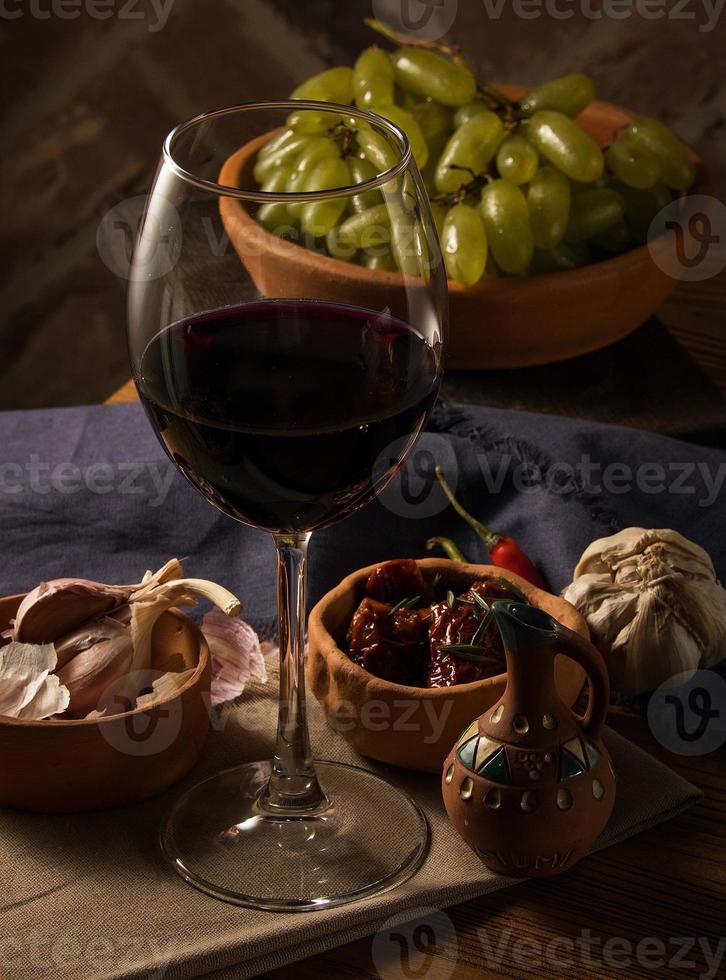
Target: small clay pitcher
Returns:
[530, 785]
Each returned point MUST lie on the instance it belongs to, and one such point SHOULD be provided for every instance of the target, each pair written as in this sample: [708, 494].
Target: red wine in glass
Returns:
[278, 410]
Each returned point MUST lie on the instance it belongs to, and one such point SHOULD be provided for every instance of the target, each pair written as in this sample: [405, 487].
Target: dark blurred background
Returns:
[88, 102]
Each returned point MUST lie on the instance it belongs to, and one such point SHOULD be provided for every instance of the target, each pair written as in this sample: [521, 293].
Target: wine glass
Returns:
[278, 372]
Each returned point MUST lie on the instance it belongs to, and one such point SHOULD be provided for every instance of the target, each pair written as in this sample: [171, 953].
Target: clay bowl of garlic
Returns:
[100, 719]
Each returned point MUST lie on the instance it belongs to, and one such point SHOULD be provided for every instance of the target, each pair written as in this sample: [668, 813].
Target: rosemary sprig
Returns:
[482, 628]
[467, 651]
[405, 604]
[480, 601]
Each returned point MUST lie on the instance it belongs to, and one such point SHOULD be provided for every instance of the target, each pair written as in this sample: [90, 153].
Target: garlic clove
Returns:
[56, 608]
[104, 652]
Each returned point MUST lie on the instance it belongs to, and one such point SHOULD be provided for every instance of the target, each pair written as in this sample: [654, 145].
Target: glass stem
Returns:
[293, 785]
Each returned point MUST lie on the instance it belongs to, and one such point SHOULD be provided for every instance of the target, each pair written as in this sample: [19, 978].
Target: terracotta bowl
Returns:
[499, 323]
[413, 727]
[71, 766]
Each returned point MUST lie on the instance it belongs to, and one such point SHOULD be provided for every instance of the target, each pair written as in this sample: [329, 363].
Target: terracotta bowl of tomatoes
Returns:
[387, 633]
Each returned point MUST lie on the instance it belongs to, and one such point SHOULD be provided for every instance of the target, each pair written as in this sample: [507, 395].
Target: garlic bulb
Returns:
[653, 605]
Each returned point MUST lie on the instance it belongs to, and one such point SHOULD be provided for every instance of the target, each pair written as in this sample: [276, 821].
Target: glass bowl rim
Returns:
[293, 105]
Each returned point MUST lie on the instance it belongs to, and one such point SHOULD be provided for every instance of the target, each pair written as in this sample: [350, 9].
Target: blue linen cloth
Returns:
[88, 492]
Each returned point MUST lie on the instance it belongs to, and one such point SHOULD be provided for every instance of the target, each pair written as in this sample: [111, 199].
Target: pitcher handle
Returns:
[583, 652]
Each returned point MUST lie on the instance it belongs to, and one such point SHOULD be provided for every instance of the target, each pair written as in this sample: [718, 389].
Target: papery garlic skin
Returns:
[653, 605]
[28, 689]
[236, 656]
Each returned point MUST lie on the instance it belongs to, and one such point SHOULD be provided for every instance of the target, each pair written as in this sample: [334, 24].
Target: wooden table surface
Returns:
[664, 889]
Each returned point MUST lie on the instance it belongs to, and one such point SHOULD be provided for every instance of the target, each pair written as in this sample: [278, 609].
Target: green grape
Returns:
[275, 215]
[333, 85]
[318, 217]
[490, 269]
[360, 171]
[633, 163]
[464, 245]
[405, 121]
[642, 206]
[319, 148]
[618, 238]
[506, 222]
[548, 200]
[377, 150]
[367, 229]
[312, 123]
[471, 147]
[284, 155]
[339, 250]
[407, 242]
[677, 170]
[561, 258]
[438, 213]
[284, 137]
[592, 213]
[466, 112]
[434, 119]
[564, 144]
[569, 95]
[427, 74]
[378, 260]
[373, 79]
[428, 173]
[296, 185]
[517, 160]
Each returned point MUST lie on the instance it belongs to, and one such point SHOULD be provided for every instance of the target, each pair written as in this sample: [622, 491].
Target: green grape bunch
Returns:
[517, 188]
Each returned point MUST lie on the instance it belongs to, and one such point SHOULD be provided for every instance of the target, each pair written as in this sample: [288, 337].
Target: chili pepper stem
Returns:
[449, 548]
[489, 537]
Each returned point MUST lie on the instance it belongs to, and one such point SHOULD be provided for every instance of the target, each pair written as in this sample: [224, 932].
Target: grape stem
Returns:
[498, 102]
[453, 51]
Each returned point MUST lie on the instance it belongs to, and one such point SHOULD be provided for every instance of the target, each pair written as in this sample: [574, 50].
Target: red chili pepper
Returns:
[503, 551]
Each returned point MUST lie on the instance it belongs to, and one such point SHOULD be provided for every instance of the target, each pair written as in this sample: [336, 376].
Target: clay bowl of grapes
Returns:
[569, 300]
[70, 765]
[402, 656]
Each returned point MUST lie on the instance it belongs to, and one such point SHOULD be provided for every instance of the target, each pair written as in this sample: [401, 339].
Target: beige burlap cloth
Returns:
[89, 897]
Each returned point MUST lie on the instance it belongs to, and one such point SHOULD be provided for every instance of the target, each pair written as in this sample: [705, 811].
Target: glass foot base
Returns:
[371, 838]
